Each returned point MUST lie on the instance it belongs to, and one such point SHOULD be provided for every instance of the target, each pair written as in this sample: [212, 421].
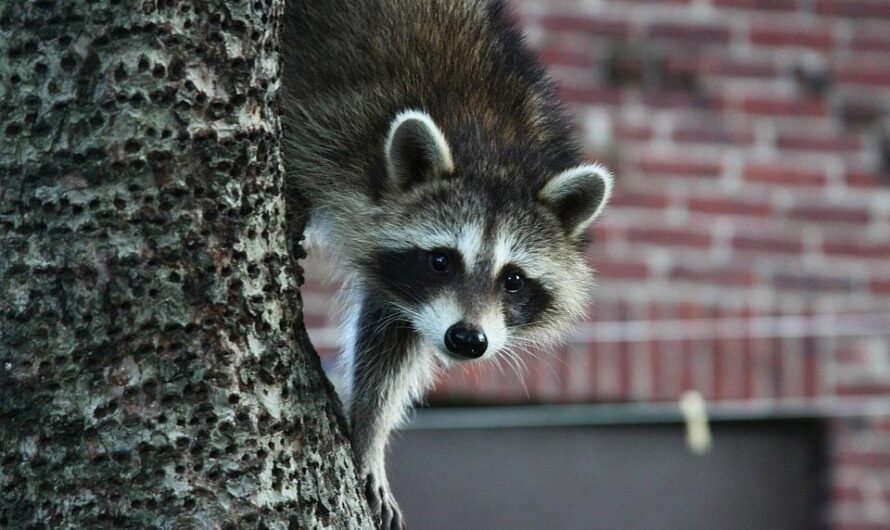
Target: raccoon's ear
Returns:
[577, 196]
[416, 150]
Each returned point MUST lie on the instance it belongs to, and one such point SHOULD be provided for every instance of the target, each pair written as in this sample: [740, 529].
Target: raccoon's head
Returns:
[476, 260]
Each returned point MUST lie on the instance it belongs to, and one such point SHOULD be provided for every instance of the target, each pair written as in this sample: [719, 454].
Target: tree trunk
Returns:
[154, 369]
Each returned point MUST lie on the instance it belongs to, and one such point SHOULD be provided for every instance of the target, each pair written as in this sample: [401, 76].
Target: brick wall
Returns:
[747, 251]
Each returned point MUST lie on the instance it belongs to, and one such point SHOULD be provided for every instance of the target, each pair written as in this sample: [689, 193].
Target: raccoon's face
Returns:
[477, 266]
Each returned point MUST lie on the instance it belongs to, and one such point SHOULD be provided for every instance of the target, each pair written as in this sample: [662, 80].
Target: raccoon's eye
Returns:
[440, 262]
[514, 282]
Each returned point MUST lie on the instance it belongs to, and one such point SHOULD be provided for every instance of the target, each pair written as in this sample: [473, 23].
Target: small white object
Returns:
[698, 432]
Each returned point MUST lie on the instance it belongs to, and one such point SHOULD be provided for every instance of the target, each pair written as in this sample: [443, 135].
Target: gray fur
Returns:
[485, 170]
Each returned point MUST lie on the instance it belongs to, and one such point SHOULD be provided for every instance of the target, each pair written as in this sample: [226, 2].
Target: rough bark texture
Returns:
[154, 371]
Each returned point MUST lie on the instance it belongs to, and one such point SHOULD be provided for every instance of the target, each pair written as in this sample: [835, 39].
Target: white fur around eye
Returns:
[470, 244]
[434, 319]
[492, 324]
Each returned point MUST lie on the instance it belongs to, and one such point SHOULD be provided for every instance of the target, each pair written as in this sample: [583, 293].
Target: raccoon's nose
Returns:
[461, 339]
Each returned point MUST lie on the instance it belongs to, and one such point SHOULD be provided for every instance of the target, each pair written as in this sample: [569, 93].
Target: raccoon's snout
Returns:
[463, 340]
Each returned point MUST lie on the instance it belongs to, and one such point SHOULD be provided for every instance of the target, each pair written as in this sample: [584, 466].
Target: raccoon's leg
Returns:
[389, 370]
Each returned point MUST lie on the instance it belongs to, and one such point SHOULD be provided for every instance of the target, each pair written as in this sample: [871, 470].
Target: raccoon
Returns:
[441, 174]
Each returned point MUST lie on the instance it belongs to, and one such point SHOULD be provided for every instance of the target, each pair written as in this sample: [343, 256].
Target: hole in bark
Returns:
[132, 146]
[143, 63]
[68, 62]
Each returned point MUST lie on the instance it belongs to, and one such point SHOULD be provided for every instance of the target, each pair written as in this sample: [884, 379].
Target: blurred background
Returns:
[746, 256]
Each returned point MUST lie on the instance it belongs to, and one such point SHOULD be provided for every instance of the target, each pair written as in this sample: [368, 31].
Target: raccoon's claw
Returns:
[383, 505]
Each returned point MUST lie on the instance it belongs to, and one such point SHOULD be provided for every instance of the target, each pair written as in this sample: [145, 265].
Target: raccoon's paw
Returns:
[383, 504]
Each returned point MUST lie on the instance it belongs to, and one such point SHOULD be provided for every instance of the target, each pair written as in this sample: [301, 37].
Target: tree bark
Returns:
[154, 369]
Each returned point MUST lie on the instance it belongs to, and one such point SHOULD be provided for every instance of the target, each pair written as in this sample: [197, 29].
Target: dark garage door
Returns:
[758, 476]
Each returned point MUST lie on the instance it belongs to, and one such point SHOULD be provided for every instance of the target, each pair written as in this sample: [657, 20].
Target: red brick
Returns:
[680, 99]
[863, 389]
[858, 178]
[850, 354]
[669, 237]
[602, 232]
[812, 283]
[715, 135]
[830, 214]
[857, 249]
[811, 369]
[655, 311]
[772, 35]
[314, 320]
[688, 311]
[846, 525]
[559, 57]
[725, 206]
[870, 43]
[854, 8]
[860, 111]
[639, 200]
[726, 277]
[864, 75]
[819, 143]
[881, 287]
[696, 33]
[760, 5]
[884, 425]
[327, 352]
[783, 175]
[777, 245]
[633, 132]
[590, 94]
[846, 494]
[863, 458]
[621, 270]
[785, 106]
[680, 167]
[737, 68]
[585, 24]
